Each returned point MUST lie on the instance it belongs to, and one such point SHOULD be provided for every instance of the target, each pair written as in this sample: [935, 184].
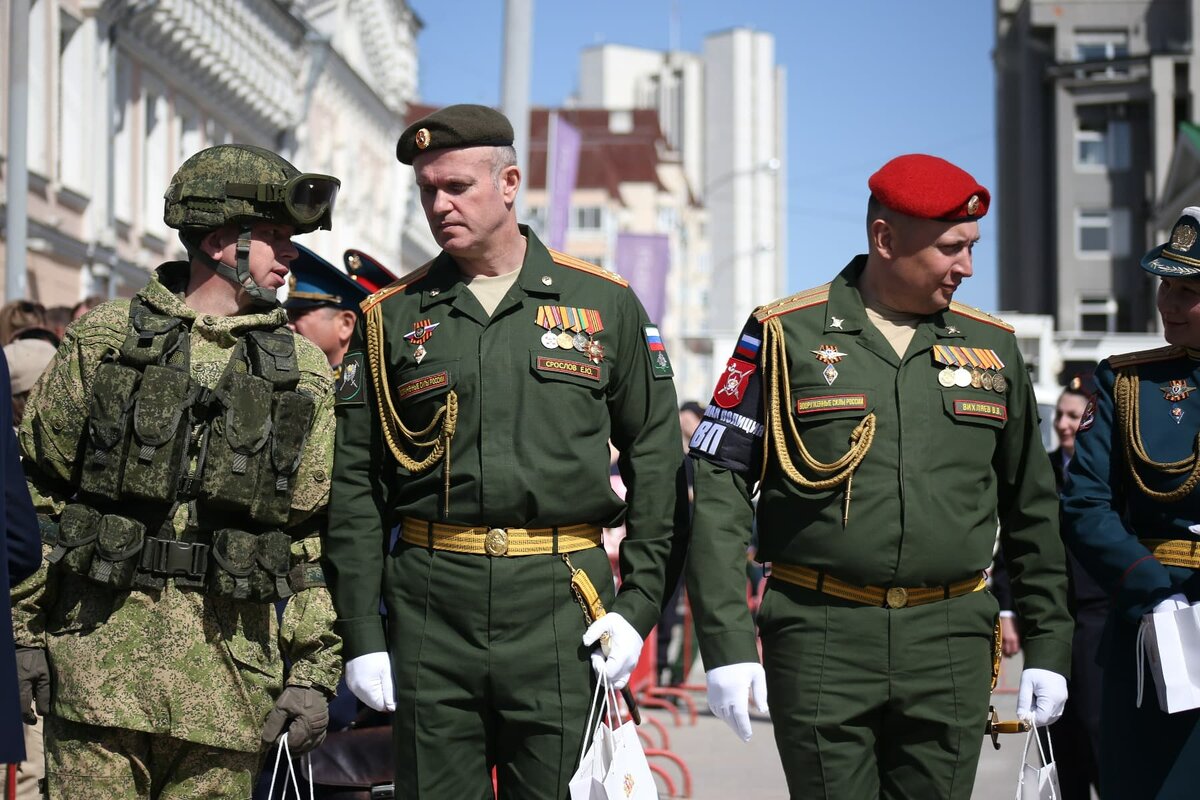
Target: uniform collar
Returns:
[165, 295]
[444, 283]
[845, 312]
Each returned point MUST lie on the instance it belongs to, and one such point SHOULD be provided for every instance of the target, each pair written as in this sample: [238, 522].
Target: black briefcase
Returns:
[355, 764]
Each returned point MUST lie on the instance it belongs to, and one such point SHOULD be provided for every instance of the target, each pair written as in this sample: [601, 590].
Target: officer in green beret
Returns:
[885, 430]
[495, 374]
[178, 450]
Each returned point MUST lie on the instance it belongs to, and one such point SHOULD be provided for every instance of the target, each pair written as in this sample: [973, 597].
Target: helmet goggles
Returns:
[308, 197]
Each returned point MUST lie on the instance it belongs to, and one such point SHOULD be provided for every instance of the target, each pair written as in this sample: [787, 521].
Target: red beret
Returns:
[930, 188]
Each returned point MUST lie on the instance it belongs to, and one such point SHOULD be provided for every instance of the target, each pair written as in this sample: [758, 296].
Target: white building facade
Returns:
[121, 92]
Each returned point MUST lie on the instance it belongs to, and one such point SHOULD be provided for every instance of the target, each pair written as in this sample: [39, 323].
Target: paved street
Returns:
[724, 769]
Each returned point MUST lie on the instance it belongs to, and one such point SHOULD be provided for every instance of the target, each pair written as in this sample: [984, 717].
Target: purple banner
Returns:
[562, 168]
[644, 259]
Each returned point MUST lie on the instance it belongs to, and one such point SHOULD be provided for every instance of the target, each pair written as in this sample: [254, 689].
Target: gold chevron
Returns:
[400, 284]
[1145, 356]
[571, 262]
[786, 305]
[971, 312]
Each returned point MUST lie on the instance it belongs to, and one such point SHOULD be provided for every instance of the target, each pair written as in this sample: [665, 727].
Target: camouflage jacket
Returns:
[177, 662]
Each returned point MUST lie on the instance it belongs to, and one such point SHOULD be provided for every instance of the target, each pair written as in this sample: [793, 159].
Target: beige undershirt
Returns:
[489, 290]
[897, 327]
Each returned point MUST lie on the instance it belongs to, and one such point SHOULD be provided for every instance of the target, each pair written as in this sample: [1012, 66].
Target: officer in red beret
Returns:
[886, 430]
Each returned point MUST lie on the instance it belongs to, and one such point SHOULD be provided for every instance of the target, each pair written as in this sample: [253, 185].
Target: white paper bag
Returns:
[1170, 642]
[1038, 783]
[613, 766]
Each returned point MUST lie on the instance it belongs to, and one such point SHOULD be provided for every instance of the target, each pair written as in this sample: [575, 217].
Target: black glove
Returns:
[304, 713]
[33, 678]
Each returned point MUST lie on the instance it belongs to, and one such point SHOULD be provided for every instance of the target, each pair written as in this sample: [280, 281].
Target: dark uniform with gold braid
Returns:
[879, 479]
[485, 438]
[1130, 511]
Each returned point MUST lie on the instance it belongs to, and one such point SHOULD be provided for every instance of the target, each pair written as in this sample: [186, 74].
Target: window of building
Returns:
[1101, 142]
[72, 105]
[1102, 232]
[1095, 47]
[155, 157]
[123, 173]
[587, 218]
[1097, 313]
[37, 145]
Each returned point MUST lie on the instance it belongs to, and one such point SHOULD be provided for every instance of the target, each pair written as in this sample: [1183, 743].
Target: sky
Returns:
[867, 80]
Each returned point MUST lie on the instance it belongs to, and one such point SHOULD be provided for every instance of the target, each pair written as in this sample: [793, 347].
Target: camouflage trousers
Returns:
[86, 762]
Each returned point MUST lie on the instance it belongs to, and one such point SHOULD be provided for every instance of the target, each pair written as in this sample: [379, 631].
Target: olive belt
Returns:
[1175, 552]
[500, 541]
[895, 597]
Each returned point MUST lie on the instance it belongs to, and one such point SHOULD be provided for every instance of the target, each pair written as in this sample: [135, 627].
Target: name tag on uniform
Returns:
[568, 366]
[980, 408]
[423, 384]
[831, 402]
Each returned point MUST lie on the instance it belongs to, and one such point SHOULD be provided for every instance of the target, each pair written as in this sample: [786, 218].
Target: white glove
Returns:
[1041, 697]
[619, 651]
[370, 678]
[728, 689]
[1172, 603]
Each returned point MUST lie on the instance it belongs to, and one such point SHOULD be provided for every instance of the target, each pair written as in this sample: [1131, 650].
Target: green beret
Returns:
[463, 125]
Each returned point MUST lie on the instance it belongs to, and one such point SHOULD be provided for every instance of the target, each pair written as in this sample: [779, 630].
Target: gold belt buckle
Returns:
[897, 597]
[495, 542]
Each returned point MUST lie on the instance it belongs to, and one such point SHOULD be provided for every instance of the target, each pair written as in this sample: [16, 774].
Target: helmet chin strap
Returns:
[239, 277]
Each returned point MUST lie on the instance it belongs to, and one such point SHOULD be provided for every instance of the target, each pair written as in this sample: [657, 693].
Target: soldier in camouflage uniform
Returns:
[178, 449]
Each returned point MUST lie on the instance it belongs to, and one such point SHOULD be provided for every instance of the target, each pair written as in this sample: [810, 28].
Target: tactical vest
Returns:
[157, 440]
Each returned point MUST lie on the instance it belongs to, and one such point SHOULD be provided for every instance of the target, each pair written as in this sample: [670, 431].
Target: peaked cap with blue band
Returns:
[314, 283]
[1179, 257]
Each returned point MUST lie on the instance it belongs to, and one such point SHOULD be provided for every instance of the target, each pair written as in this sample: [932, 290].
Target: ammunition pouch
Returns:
[113, 395]
[160, 435]
[119, 540]
[158, 439]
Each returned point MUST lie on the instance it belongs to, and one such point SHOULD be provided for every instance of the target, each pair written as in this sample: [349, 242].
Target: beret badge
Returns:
[1183, 237]
[973, 205]
[422, 138]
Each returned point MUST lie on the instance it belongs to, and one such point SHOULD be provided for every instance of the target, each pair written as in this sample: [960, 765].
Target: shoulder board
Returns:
[809, 297]
[974, 313]
[401, 283]
[571, 262]
[1145, 356]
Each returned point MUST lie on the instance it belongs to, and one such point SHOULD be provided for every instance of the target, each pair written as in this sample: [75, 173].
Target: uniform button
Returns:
[434, 292]
[208, 319]
[319, 477]
[547, 280]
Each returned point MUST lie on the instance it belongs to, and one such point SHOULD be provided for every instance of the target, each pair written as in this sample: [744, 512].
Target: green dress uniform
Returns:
[184, 678]
[880, 482]
[485, 440]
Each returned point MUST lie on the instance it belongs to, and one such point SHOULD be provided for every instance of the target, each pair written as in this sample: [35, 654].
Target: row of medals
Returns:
[976, 379]
[566, 341]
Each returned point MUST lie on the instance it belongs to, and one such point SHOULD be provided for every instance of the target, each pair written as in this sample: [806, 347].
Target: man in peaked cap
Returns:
[367, 271]
[322, 304]
[496, 375]
[885, 428]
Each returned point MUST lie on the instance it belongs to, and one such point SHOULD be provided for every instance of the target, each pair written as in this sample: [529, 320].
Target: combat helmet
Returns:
[243, 184]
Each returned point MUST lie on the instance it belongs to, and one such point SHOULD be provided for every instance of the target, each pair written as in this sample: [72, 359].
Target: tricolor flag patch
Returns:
[660, 363]
[747, 347]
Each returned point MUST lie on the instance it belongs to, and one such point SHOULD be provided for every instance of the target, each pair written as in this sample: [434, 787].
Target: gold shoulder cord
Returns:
[394, 429]
[840, 471]
[1125, 395]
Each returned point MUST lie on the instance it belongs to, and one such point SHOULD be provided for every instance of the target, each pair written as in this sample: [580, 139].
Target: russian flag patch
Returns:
[660, 363]
[747, 347]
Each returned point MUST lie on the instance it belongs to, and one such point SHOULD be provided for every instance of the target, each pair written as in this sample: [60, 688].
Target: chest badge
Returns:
[1175, 392]
[419, 335]
[829, 355]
